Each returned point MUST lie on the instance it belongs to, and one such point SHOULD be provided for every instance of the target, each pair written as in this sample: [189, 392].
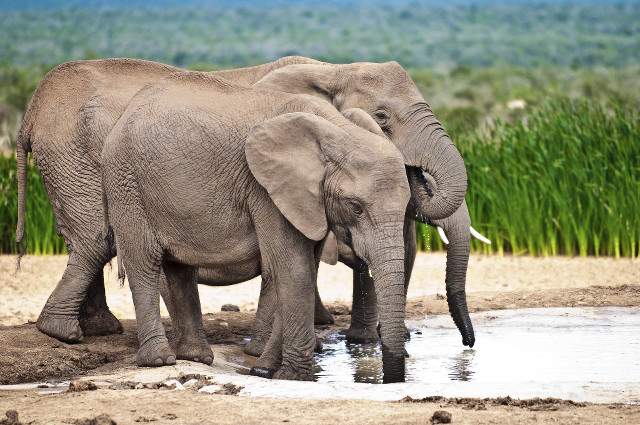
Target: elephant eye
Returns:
[356, 208]
[381, 116]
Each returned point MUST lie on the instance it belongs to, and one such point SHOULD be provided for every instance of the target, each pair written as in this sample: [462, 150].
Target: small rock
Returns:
[77, 386]
[441, 417]
[230, 307]
[170, 416]
[440, 297]
[12, 418]
[174, 384]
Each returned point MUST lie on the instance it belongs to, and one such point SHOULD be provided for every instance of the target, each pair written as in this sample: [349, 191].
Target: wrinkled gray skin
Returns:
[456, 228]
[185, 187]
[66, 146]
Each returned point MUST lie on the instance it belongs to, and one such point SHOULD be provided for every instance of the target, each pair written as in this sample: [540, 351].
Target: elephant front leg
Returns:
[290, 263]
[298, 336]
[270, 359]
[321, 315]
[264, 320]
[180, 291]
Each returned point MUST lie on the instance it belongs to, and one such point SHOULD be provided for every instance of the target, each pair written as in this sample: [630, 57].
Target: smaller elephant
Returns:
[198, 172]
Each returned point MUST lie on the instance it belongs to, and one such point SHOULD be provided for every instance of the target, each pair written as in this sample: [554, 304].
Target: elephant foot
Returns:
[318, 348]
[361, 334]
[293, 375]
[255, 347]
[63, 328]
[322, 316]
[262, 372]
[200, 353]
[102, 322]
[155, 352]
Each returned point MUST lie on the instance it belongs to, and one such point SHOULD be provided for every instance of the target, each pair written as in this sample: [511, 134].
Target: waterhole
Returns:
[527, 345]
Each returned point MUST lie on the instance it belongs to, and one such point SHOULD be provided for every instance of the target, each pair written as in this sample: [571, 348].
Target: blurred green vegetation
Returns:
[40, 223]
[528, 34]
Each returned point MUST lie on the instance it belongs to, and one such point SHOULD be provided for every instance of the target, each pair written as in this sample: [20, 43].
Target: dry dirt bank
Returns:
[26, 355]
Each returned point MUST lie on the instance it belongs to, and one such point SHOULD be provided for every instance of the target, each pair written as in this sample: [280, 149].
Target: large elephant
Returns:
[72, 111]
[77, 104]
[185, 187]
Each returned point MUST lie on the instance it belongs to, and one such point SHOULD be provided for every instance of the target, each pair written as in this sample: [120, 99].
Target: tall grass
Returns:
[564, 181]
[40, 225]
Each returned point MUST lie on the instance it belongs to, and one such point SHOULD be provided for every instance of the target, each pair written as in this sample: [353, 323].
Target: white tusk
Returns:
[478, 236]
[442, 235]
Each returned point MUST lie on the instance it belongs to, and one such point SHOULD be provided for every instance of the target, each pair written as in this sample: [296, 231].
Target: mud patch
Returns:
[103, 419]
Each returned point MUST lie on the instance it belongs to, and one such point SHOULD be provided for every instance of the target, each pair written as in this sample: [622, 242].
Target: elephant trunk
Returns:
[457, 230]
[389, 285]
[430, 149]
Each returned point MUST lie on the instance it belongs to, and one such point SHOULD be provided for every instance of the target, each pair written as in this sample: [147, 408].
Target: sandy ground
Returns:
[23, 294]
[26, 355]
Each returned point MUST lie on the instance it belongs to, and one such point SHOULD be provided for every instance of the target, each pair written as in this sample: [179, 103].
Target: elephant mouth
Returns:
[414, 215]
[413, 212]
[421, 178]
[360, 265]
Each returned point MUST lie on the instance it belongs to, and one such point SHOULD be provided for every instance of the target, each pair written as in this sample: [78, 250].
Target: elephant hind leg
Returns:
[59, 317]
[95, 317]
[142, 257]
[182, 301]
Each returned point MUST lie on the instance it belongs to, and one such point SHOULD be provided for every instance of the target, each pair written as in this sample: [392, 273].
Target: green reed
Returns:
[564, 181]
[40, 224]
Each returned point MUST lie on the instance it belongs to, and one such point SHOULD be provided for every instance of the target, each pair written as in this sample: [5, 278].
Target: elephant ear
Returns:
[285, 156]
[360, 118]
[329, 253]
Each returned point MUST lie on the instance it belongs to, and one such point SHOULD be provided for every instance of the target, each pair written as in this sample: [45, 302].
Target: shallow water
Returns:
[527, 345]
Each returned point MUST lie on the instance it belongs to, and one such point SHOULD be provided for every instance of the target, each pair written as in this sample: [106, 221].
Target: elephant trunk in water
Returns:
[429, 148]
[389, 285]
[457, 226]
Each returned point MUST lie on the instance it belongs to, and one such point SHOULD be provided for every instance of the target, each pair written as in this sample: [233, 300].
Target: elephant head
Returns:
[353, 184]
[387, 93]
[455, 231]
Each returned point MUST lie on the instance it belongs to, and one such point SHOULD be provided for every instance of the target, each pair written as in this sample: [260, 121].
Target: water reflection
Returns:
[344, 361]
[460, 368]
[367, 362]
[551, 345]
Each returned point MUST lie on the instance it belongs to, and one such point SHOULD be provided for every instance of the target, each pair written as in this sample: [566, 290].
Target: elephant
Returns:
[72, 111]
[457, 226]
[66, 138]
[198, 172]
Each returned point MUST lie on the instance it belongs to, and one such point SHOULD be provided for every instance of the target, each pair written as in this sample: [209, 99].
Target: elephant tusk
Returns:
[478, 236]
[442, 235]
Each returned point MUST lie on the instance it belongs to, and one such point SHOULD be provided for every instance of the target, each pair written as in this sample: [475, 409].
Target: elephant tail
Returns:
[109, 236]
[23, 147]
